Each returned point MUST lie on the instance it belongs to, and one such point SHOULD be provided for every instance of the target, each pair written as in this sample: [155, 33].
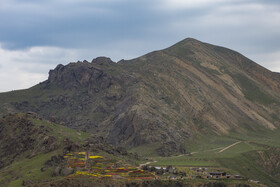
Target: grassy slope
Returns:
[62, 132]
[23, 168]
[240, 159]
[29, 169]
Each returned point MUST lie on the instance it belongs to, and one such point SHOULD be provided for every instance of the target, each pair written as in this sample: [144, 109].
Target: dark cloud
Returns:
[76, 24]
[127, 29]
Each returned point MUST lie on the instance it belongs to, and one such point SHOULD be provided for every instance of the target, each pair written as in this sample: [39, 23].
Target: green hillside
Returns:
[163, 98]
[191, 99]
[31, 148]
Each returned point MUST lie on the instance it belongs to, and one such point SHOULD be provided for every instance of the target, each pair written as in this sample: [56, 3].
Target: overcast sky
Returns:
[36, 35]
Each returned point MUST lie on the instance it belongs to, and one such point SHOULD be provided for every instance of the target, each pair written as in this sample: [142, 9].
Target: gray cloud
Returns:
[71, 24]
[84, 29]
[76, 24]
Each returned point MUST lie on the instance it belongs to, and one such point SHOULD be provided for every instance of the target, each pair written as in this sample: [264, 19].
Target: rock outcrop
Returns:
[18, 135]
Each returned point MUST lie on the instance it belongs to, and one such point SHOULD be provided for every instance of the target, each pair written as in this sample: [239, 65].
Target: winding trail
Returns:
[222, 150]
[229, 146]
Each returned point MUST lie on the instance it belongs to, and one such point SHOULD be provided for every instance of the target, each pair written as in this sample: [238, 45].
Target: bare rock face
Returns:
[170, 148]
[102, 61]
[84, 75]
[140, 131]
[270, 160]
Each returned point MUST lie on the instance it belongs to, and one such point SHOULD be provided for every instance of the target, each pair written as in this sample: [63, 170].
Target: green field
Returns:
[27, 169]
[242, 159]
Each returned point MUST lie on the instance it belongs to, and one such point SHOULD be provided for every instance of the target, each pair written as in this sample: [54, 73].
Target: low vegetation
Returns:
[190, 105]
[254, 157]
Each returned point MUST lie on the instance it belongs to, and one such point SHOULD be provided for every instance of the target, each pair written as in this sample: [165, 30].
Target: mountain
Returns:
[162, 99]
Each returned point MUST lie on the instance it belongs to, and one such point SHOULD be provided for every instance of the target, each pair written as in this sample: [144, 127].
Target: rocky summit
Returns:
[163, 98]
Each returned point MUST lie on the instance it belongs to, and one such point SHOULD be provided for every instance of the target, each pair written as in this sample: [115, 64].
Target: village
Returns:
[94, 166]
[86, 165]
[196, 173]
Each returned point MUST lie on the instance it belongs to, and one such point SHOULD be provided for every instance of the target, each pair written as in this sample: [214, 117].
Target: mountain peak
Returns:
[185, 48]
[187, 41]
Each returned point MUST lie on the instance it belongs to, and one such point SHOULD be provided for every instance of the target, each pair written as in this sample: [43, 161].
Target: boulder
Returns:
[56, 171]
[66, 171]
[121, 150]
[27, 183]
[44, 169]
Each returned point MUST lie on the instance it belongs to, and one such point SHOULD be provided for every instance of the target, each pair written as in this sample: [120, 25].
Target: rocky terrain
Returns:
[19, 135]
[31, 148]
[162, 99]
[269, 160]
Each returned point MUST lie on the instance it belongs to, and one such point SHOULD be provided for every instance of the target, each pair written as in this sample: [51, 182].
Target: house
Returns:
[190, 177]
[217, 175]
[206, 176]
[237, 177]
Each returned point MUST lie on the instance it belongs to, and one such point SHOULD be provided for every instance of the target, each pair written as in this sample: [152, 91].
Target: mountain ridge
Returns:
[164, 98]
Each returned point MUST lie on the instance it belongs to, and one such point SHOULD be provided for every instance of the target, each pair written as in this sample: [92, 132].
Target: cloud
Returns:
[25, 68]
[269, 60]
[35, 36]
[55, 23]
[246, 27]
[176, 5]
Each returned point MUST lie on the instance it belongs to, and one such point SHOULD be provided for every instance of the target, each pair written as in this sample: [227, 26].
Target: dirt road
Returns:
[222, 150]
[229, 146]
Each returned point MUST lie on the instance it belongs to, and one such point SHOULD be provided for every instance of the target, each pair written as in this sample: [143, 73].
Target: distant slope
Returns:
[160, 99]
